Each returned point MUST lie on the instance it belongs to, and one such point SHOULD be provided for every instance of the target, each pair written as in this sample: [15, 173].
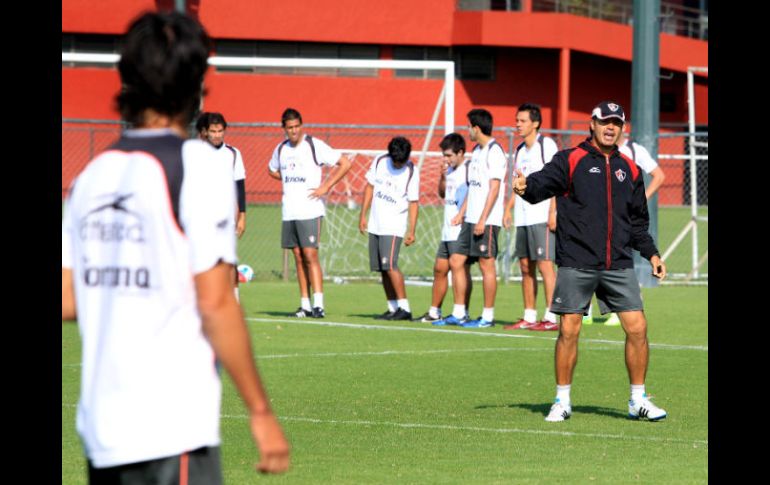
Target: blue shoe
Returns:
[478, 323]
[450, 320]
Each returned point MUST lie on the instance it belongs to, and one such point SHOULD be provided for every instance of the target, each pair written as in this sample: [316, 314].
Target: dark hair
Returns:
[216, 119]
[399, 149]
[481, 118]
[534, 113]
[162, 63]
[290, 114]
[453, 142]
[202, 123]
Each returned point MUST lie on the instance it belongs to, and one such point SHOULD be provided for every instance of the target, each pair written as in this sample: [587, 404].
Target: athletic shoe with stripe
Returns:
[588, 319]
[520, 325]
[644, 409]
[478, 323]
[385, 316]
[318, 312]
[400, 314]
[451, 320]
[559, 412]
[545, 326]
[426, 318]
[302, 313]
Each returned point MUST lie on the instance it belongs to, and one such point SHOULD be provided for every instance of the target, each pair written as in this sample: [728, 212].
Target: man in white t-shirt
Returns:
[297, 162]
[642, 158]
[148, 243]
[535, 223]
[452, 187]
[212, 127]
[481, 222]
[393, 192]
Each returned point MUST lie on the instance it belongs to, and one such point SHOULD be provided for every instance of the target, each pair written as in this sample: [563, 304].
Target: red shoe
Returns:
[545, 326]
[520, 325]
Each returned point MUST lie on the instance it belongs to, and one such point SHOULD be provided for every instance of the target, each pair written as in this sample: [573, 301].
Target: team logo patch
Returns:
[594, 170]
[312, 239]
[620, 174]
[539, 251]
[613, 107]
[384, 260]
[483, 247]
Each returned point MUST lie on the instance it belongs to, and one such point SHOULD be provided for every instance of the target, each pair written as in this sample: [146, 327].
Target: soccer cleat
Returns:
[427, 318]
[613, 321]
[302, 313]
[400, 314]
[588, 319]
[385, 316]
[559, 412]
[545, 326]
[478, 323]
[644, 409]
[318, 312]
[520, 325]
[451, 320]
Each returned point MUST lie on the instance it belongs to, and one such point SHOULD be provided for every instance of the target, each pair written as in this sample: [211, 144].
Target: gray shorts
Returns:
[535, 242]
[484, 246]
[447, 248]
[303, 233]
[383, 252]
[616, 290]
[203, 467]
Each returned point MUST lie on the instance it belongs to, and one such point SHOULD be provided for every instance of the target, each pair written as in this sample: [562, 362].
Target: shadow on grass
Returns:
[543, 409]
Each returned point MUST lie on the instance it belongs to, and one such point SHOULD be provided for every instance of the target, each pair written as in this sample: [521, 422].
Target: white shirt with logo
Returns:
[149, 386]
[486, 163]
[530, 160]
[454, 179]
[300, 176]
[393, 189]
[231, 157]
[640, 156]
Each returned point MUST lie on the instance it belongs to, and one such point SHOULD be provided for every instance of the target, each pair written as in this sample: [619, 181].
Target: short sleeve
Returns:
[496, 162]
[66, 235]
[413, 190]
[206, 209]
[643, 159]
[275, 164]
[239, 170]
[371, 173]
[325, 154]
[549, 149]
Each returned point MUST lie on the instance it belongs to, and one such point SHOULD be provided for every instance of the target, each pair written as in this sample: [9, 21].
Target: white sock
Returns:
[488, 314]
[530, 315]
[392, 305]
[590, 308]
[404, 304]
[318, 300]
[562, 394]
[550, 316]
[305, 303]
[458, 311]
[434, 312]
[237, 294]
[637, 391]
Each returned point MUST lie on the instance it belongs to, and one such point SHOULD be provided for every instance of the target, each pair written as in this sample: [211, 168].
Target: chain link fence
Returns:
[344, 251]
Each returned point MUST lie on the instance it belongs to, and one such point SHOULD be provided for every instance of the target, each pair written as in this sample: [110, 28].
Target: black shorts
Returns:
[483, 246]
[616, 290]
[201, 467]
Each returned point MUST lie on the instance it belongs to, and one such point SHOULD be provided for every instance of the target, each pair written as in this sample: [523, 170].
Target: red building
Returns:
[565, 62]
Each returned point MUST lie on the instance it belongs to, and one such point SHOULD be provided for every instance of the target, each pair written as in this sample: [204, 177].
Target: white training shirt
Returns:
[487, 163]
[301, 175]
[530, 160]
[640, 156]
[142, 219]
[393, 190]
[454, 179]
[231, 157]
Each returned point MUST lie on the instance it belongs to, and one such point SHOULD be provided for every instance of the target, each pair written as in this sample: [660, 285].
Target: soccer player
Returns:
[213, 126]
[200, 126]
[482, 221]
[147, 247]
[602, 217]
[535, 223]
[393, 192]
[452, 187]
[297, 162]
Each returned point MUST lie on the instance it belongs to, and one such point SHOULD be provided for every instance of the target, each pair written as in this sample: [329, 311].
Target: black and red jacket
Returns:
[601, 207]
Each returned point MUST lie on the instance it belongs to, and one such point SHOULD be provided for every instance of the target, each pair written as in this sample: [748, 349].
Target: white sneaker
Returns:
[613, 321]
[644, 408]
[559, 412]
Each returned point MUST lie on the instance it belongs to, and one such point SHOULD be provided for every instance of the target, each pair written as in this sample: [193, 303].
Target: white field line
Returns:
[468, 428]
[303, 321]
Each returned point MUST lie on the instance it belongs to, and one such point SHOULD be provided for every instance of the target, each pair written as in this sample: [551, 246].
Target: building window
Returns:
[90, 44]
[304, 50]
[471, 63]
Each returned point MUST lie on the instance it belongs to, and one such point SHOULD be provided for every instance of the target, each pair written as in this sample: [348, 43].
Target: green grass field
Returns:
[365, 401]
